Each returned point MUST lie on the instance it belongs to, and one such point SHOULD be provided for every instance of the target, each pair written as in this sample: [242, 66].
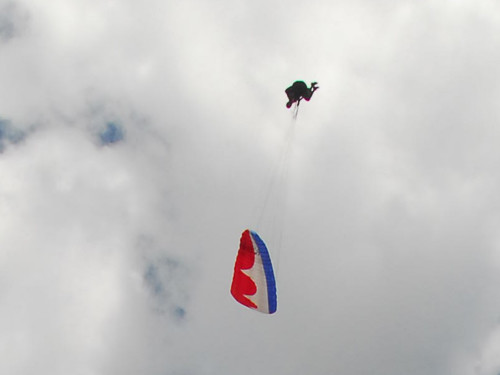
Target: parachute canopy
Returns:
[253, 283]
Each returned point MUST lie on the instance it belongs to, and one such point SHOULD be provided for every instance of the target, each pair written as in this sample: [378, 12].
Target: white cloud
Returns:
[117, 258]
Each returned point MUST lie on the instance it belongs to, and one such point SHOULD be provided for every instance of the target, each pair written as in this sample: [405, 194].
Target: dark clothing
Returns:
[298, 91]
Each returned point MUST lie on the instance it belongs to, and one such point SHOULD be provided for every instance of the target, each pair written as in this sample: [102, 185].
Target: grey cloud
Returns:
[14, 20]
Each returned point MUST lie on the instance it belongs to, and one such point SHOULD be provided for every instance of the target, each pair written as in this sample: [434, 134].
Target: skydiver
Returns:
[299, 91]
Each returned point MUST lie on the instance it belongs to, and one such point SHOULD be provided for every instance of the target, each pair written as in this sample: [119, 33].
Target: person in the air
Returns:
[299, 91]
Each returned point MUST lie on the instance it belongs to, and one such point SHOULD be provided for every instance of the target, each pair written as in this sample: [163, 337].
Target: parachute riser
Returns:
[296, 109]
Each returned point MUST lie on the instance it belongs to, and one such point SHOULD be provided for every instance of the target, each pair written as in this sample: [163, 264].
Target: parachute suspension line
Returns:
[275, 197]
[284, 177]
[278, 173]
[296, 110]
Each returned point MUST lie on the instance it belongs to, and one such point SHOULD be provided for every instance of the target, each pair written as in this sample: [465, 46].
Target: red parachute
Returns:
[253, 283]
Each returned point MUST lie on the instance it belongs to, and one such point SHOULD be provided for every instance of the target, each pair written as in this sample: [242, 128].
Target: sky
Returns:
[139, 139]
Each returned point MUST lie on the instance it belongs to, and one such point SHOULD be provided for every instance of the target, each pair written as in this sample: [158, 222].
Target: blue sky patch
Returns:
[113, 133]
[153, 280]
[8, 134]
[179, 312]
[165, 280]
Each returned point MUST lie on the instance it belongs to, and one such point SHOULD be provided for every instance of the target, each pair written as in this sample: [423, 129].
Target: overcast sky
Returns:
[138, 139]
